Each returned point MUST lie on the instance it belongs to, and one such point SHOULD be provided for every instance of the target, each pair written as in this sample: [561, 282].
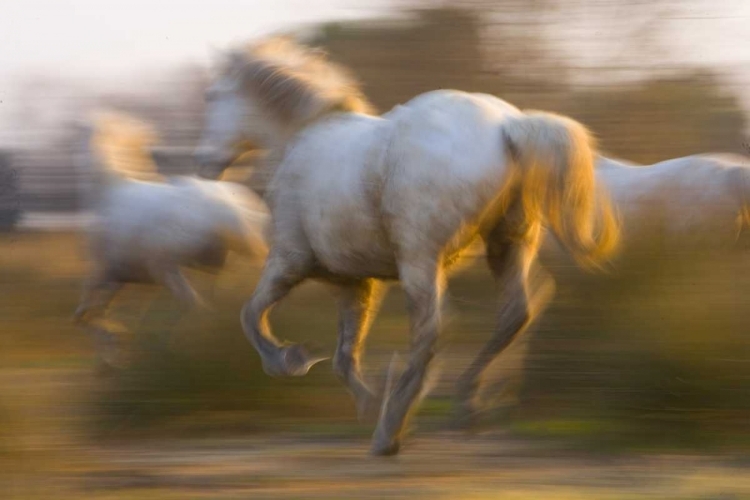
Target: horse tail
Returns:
[555, 158]
[254, 226]
[119, 147]
[247, 226]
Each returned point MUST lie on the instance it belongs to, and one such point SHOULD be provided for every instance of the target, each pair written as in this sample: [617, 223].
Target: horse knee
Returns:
[423, 348]
[521, 314]
[344, 361]
[341, 364]
[248, 313]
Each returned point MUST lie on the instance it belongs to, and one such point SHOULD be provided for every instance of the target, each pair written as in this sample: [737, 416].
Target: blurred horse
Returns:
[693, 208]
[148, 228]
[358, 199]
[685, 205]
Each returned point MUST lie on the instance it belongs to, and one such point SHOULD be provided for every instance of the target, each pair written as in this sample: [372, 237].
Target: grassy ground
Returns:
[196, 418]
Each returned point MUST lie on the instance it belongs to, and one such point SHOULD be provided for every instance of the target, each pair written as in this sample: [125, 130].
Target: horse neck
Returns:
[277, 145]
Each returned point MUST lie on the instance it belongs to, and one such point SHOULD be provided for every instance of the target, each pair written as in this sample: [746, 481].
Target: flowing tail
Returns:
[555, 156]
[119, 147]
[250, 227]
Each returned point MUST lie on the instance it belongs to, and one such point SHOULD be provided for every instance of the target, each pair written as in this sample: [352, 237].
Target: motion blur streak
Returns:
[634, 383]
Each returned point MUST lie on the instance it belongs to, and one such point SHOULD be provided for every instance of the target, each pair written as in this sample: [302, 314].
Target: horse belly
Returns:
[352, 244]
[124, 271]
[210, 256]
[337, 202]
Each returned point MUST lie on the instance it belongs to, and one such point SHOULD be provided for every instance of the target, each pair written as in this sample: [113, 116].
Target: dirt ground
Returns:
[47, 451]
[46, 455]
[439, 466]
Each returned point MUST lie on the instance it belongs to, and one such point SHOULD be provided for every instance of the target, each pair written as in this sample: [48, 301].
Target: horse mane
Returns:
[296, 83]
[122, 144]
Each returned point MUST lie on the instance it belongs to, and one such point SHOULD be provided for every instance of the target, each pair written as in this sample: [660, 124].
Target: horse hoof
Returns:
[298, 359]
[293, 361]
[387, 449]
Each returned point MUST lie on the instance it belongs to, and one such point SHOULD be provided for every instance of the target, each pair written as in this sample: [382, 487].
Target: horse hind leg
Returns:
[99, 292]
[423, 284]
[279, 277]
[510, 262]
[358, 305]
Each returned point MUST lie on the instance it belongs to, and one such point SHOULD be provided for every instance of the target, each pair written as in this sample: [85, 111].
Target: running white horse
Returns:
[359, 199]
[148, 229]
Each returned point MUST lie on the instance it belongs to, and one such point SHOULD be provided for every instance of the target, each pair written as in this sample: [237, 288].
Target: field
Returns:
[194, 417]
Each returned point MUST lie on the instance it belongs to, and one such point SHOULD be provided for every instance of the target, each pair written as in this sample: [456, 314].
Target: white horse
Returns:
[358, 199]
[147, 230]
[692, 204]
[690, 207]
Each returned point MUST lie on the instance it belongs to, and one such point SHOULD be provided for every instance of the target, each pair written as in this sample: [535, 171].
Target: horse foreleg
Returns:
[358, 305]
[423, 284]
[98, 293]
[510, 263]
[279, 277]
[172, 277]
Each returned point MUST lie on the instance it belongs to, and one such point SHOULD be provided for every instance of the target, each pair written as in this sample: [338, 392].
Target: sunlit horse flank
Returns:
[148, 228]
[358, 199]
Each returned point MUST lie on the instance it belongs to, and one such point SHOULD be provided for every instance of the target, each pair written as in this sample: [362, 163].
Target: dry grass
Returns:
[210, 409]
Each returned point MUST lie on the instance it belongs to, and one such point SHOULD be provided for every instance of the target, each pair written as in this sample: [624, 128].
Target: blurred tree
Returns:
[399, 58]
[658, 119]
[173, 103]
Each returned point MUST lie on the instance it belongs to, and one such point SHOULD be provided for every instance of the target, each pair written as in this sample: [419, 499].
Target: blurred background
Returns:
[652, 360]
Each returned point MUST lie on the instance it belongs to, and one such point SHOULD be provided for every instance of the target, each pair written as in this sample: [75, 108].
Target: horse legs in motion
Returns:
[98, 292]
[423, 285]
[423, 281]
[510, 261]
[358, 304]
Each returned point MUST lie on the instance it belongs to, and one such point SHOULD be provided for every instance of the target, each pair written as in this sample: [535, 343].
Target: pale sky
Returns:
[83, 36]
[94, 36]
[86, 39]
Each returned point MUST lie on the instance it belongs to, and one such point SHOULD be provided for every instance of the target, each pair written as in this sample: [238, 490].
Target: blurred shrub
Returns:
[650, 121]
[661, 353]
[10, 196]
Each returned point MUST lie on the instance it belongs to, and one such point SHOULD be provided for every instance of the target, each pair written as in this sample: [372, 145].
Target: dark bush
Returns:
[10, 196]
